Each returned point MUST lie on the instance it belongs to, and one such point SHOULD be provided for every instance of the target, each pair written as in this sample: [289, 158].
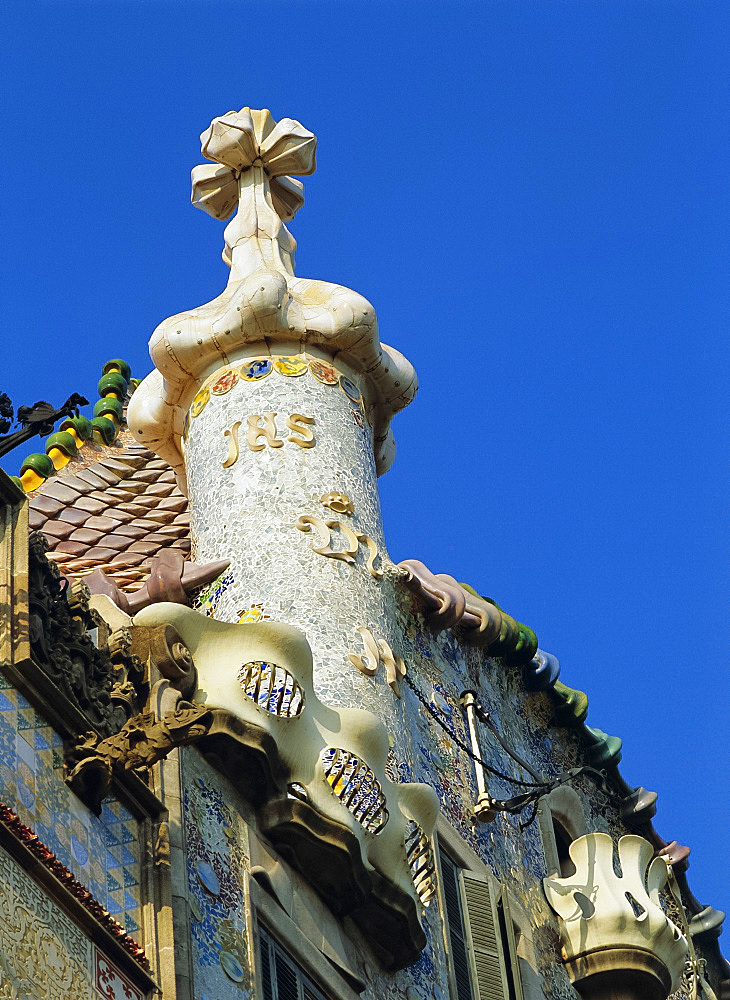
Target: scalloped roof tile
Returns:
[113, 508]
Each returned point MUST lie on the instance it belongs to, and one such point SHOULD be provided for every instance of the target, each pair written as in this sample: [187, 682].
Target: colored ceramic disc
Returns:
[231, 966]
[208, 878]
[293, 367]
[350, 389]
[323, 373]
[199, 402]
[225, 383]
[256, 369]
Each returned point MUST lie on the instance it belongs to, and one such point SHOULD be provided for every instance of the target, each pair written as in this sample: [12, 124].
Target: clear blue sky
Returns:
[534, 196]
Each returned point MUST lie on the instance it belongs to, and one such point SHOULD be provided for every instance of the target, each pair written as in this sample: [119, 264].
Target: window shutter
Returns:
[281, 977]
[481, 918]
[265, 948]
[452, 904]
[287, 986]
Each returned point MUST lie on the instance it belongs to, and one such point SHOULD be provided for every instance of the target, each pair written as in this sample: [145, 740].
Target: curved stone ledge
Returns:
[328, 855]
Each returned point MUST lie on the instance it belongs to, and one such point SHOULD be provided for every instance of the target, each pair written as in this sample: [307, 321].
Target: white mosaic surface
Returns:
[248, 514]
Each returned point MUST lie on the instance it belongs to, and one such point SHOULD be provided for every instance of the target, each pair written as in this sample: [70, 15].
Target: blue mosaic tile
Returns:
[107, 816]
[26, 795]
[40, 742]
[31, 782]
[79, 851]
[25, 720]
[127, 857]
[110, 838]
[111, 882]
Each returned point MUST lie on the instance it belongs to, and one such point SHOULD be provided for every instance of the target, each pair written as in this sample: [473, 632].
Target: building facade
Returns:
[244, 754]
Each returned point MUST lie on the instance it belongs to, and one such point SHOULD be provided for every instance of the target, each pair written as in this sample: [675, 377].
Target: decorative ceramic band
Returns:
[255, 369]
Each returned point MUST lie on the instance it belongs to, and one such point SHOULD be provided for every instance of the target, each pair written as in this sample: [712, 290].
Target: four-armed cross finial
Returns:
[254, 157]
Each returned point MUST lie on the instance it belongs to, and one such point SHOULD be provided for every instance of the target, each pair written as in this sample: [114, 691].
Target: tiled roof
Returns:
[113, 508]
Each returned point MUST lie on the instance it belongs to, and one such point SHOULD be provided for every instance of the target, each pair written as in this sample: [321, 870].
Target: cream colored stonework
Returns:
[602, 912]
[265, 308]
[220, 649]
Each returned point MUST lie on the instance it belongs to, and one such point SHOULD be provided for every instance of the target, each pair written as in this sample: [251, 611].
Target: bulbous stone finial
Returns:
[265, 308]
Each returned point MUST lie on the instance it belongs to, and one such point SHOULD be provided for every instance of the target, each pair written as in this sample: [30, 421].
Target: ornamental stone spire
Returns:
[264, 308]
[273, 405]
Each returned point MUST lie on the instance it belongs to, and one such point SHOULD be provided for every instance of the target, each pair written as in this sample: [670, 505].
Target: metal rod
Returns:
[483, 810]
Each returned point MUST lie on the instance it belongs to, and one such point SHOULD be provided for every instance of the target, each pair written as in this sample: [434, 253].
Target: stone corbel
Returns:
[617, 941]
[142, 742]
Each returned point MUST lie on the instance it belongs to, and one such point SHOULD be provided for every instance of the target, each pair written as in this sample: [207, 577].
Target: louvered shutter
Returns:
[452, 903]
[287, 979]
[281, 977]
[481, 919]
[266, 951]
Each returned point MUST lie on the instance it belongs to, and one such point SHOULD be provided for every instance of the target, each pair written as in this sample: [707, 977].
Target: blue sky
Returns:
[534, 196]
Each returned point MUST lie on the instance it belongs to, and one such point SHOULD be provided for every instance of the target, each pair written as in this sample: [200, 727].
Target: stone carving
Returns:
[353, 539]
[259, 437]
[340, 503]
[254, 158]
[612, 927]
[141, 742]
[302, 427]
[378, 651]
[233, 449]
[88, 676]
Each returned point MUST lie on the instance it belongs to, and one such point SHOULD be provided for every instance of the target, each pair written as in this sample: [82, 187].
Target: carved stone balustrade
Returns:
[616, 940]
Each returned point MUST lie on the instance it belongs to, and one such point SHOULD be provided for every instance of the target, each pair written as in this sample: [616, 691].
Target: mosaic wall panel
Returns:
[216, 841]
[43, 954]
[102, 852]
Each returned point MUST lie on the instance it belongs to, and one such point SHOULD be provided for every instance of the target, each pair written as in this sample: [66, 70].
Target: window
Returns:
[281, 977]
[563, 840]
[481, 935]
[561, 820]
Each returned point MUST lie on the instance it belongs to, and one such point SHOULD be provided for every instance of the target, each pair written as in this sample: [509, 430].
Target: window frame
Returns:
[564, 807]
[465, 859]
[265, 912]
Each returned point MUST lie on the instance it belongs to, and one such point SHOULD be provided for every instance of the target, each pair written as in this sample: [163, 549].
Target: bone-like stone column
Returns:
[271, 401]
